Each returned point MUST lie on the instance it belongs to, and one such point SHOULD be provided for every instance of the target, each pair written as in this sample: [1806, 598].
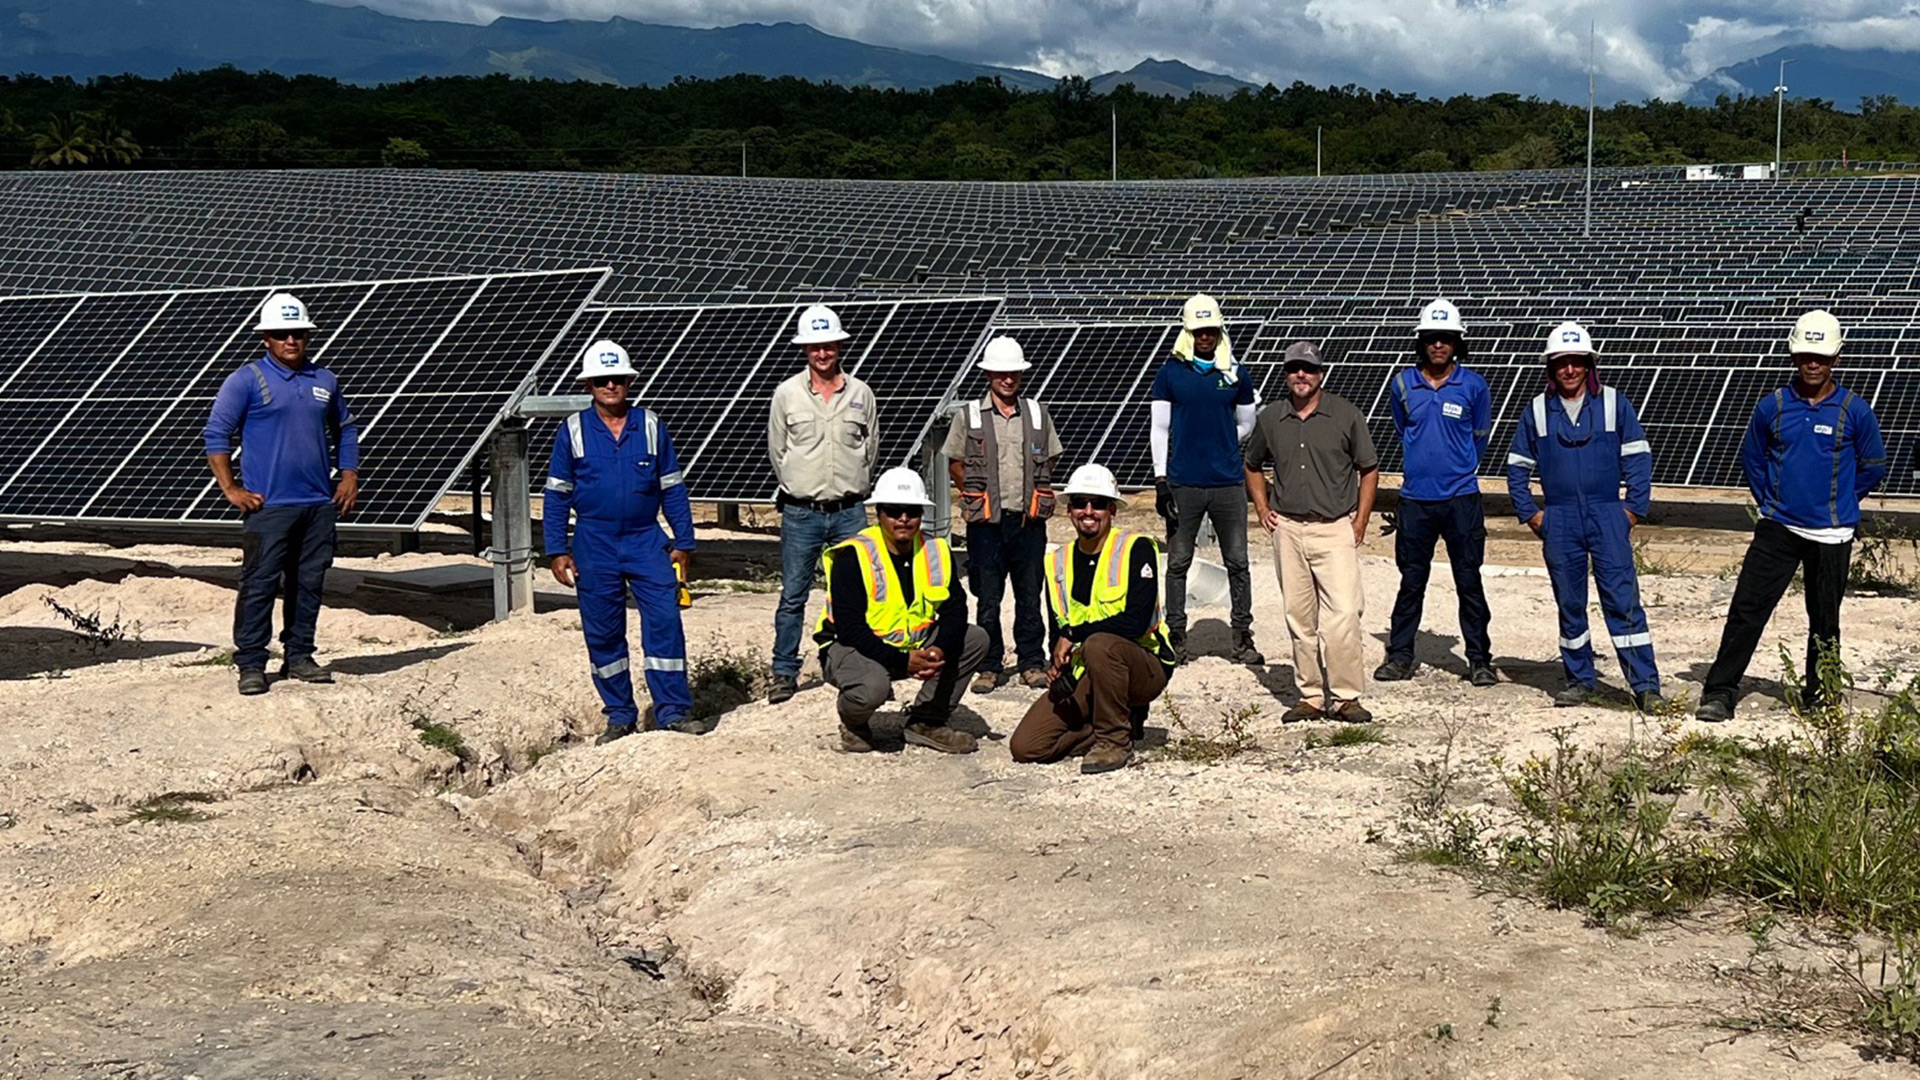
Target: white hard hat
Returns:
[605, 358]
[1569, 337]
[899, 486]
[1094, 480]
[1201, 311]
[818, 325]
[284, 311]
[1442, 316]
[1816, 332]
[1004, 354]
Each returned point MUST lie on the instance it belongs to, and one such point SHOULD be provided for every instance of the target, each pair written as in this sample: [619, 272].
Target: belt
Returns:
[822, 506]
[1312, 519]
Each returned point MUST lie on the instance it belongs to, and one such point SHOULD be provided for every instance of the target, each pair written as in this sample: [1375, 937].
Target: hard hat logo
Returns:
[290, 311]
[1814, 335]
[1570, 337]
[1439, 314]
[821, 324]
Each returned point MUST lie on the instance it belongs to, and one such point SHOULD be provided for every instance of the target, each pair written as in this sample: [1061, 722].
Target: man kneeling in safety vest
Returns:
[1110, 654]
[896, 609]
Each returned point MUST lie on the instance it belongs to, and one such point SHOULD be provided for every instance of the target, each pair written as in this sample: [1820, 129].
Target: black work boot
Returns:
[1243, 650]
[306, 670]
[1395, 670]
[252, 681]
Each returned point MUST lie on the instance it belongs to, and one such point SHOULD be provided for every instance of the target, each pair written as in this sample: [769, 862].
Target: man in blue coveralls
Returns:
[293, 425]
[614, 467]
[1444, 416]
[1584, 440]
[1811, 453]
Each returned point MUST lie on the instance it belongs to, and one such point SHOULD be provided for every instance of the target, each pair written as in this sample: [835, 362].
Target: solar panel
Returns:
[103, 413]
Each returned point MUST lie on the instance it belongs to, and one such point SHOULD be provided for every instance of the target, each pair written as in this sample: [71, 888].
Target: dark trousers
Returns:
[1764, 576]
[1461, 523]
[1013, 547]
[282, 549]
[1226, 507]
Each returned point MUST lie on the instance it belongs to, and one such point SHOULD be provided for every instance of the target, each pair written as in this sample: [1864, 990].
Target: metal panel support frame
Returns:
[511, 552]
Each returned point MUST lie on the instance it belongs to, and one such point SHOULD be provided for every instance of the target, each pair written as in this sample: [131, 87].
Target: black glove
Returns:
[1163, 502]
[1388, 523]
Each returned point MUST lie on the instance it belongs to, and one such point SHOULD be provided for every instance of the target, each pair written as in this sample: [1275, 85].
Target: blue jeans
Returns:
[995, 551]
[1461, 523]
[804, 534]
[282, 549]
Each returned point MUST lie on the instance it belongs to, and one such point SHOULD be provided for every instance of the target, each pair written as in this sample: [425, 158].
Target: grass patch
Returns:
[418, 708]
[723, 679]
[1650, 562]
[1233, 738]
[173, 807]
[1822, 823]
[224, 658]
[1886, 558]
[1347, 735]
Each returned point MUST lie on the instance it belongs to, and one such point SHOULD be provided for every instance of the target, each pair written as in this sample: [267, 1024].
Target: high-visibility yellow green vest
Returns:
[1109, 593]
[902, 625]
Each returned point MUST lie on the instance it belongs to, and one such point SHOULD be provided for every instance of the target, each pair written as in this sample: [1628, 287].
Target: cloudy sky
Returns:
[1646, 48]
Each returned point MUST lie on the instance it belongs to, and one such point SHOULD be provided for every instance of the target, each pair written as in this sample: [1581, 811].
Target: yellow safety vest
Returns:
[904, 626]
[1109, 594]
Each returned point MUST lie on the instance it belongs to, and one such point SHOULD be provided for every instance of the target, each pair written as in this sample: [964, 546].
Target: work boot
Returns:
[987, 682]
[1300, 713]
[1105, 758]
[613, 733]
[252, 681]
[1574, 694]
[1243, 650]
[782, 688]
[1395, 670]
[1350, 712]
[306, 670]
[1034, 678]
[939, 737]
[1483, 675]
[688, 725]
[855, 738]
[1714, 710]
[1650, 702]
[1177, 640]
[1137, 722]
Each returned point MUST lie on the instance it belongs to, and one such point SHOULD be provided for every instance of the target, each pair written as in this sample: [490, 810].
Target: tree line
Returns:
[979, 130]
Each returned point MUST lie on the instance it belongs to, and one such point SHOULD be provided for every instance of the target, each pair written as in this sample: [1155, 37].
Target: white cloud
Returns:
[1645, 47]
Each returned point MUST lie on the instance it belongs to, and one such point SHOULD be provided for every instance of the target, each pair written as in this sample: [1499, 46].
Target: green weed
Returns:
[174, 806]
[92, 627]
[223, 658]
[1235, 736]
[1346, 735]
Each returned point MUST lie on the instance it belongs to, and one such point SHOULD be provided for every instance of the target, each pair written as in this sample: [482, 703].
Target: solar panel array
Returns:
[1690, 285]
[710, 373]
[103, 396]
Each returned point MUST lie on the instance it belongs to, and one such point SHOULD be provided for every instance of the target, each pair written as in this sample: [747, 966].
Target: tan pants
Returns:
[1319, 571]
[1120, 675]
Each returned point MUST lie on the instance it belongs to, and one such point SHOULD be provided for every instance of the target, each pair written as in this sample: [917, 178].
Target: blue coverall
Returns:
[1582, 464]
[616, 490]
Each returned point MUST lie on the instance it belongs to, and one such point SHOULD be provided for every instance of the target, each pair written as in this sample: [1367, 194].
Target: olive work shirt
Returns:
[1317, 461]
[1010, 439]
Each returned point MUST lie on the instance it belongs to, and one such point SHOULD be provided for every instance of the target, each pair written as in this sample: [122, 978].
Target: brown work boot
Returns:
[987, 682]
[1106, 757]
[855, 740]
[939, 737]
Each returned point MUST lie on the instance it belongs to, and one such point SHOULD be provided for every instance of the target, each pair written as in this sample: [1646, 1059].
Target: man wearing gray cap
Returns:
[1325, 473]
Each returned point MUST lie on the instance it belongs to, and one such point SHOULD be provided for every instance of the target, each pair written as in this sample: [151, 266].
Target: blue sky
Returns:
[1646, 48]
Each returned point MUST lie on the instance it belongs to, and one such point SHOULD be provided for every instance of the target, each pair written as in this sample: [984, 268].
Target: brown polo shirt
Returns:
[1316, 461]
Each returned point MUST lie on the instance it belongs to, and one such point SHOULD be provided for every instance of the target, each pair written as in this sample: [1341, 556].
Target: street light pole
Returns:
[1587, 229]
[1779, 115]
[1316, 151]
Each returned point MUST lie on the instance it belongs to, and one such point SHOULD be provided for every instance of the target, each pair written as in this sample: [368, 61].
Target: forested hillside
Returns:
[981, 130]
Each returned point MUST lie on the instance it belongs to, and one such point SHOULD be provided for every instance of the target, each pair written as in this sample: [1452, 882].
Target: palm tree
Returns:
[112, 139]
[63, 142]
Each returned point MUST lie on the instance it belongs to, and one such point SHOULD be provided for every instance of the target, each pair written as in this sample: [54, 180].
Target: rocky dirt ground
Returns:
[297, 886]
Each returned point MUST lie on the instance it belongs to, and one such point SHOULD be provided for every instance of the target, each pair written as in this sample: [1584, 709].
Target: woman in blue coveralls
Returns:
[615, 469]
[1585, 441]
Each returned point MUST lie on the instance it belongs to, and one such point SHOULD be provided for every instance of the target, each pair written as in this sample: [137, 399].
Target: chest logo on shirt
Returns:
[321, 394]
[1452, 409]
[1823, 429]
[860, 405]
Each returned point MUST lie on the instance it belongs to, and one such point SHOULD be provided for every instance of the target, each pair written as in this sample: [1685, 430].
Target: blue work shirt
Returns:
[285, 424]
[1584, 460]
[614, 487]
[1203, 444]
[1810, 463]
[1443, 432]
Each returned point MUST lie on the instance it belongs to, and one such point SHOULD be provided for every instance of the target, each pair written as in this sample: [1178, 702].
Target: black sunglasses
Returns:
[609, 380]
[282, 335]
[894, 511]
[1088, 502]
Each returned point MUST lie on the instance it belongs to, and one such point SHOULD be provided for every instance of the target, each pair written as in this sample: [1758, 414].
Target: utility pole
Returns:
[1779, 115]
[743, 161]
[1587, 230]
[1116, 144]
[1316, 151]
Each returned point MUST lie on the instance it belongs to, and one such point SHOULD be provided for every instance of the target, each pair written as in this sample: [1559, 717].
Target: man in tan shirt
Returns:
[1000, 453]
[823, 437]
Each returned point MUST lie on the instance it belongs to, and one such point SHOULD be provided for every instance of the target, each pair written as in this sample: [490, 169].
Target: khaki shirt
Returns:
[819, 449]
[1010, 439]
